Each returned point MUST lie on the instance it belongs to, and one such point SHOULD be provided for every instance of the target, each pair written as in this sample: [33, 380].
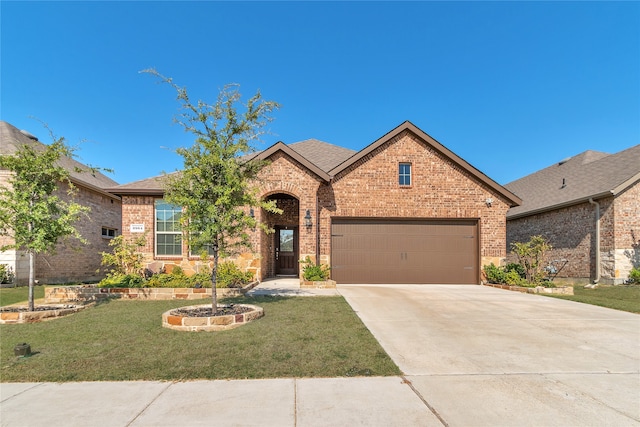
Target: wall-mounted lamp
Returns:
[252, 214]
[489, 201]
[307, 219]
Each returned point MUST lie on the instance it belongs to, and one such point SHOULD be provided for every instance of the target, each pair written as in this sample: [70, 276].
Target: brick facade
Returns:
[74, 261]
[441, 189]
[571, 232]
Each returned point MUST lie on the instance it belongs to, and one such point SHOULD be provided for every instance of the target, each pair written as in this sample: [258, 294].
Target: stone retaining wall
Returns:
[64, 294]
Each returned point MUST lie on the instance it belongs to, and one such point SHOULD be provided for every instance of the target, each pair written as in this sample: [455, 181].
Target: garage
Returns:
[404, 251]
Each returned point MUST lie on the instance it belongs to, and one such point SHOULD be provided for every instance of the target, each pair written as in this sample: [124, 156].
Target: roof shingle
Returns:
[590, 174]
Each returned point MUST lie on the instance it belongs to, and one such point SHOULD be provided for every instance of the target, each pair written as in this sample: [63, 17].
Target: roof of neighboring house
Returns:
[11, 138]
[591, 174]
[327, 160]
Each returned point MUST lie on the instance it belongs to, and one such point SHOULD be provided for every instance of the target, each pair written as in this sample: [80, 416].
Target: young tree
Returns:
[214, 187]
[531, 255]
[32, 213]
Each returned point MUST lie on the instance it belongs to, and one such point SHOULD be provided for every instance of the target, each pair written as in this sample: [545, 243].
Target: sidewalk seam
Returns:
[431, 408]
[150, 403]
[295, 402]
[36, 385]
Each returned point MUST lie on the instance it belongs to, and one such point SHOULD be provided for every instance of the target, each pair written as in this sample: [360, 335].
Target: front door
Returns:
[287, 251]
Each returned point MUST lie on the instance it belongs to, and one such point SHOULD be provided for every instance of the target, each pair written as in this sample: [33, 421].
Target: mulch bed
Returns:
[223, 310]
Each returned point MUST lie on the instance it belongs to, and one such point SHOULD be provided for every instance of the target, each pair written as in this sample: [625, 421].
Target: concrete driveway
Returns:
[480, 356]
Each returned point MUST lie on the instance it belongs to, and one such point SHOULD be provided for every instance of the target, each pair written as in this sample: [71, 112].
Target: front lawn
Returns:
[621, 297]
[124, 340]
[10, 296]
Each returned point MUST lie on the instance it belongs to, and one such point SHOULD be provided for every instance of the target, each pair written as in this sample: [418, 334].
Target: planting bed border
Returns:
[560, 290]
[13, 317]
[212, 323]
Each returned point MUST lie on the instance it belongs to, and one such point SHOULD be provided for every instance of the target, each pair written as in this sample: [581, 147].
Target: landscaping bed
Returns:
[560, 290]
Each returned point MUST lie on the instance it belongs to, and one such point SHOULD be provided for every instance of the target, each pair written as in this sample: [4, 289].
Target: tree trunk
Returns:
[214, 281]
[32, 273]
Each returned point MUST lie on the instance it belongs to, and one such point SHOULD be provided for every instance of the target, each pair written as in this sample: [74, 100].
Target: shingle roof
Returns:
[590, 174]
[11, 139]
[322, 154]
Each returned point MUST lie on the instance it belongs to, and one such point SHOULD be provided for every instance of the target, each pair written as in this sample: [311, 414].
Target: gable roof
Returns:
[11, 139]
[327, 160]
[427, 139]
[590, 174]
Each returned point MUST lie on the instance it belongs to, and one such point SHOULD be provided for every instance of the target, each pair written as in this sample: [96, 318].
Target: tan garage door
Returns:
[404, 251]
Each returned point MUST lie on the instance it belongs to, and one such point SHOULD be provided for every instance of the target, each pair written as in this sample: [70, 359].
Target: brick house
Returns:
[72, 261]
[588, 207]
[404, 209]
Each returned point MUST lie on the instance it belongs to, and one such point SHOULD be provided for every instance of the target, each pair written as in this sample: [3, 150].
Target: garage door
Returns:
[404, 251]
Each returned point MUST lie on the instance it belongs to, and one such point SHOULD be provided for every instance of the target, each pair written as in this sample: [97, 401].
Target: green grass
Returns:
[10, 296]
[625, 298]
[124, 340]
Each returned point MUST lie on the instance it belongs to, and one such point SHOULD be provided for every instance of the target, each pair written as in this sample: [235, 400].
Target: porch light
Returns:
[252, 214]
[307, 219]
[489, 201]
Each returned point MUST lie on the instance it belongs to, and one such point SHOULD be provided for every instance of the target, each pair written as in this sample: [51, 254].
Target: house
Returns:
[588, 207]
[405, 209]
[72, 261]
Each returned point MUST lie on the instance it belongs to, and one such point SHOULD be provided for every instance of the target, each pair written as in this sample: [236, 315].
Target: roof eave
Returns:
[136, 191]
[102, 191]
[626, 184]
[560, 205]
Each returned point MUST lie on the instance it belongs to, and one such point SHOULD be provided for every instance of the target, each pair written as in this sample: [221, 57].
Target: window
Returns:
[404, 174]
[109, 233]
[168, 233]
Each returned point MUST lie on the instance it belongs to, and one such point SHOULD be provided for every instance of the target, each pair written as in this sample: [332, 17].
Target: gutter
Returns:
[597, 279]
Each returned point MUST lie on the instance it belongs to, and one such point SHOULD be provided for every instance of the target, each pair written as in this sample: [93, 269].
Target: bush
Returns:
[494, 274]
[230, 276]
[312, 272]
[126, 258]
[6, 274]
[634, 275]
[121, 281]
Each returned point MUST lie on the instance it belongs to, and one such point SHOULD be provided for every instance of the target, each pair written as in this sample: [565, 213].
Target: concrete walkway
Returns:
[473, 356]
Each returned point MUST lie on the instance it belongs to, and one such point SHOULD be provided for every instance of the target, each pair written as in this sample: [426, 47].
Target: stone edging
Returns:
[317, 284]
[39, 316]
[64, 294]
[213, 323]
[561, 290]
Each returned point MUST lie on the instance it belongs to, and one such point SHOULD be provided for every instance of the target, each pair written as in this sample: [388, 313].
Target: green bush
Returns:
[230, 276]
[312, 272]
[514, 266]
[122, 281]
[634, 275]
[6, 274]
[494, 274]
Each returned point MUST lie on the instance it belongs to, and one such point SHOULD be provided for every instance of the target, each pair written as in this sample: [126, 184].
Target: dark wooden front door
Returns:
[287, 251]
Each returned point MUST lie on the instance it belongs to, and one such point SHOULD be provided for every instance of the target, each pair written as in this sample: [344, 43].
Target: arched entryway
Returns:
[280, 250]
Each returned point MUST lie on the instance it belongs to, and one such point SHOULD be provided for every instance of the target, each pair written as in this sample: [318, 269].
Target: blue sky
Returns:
[511, 87]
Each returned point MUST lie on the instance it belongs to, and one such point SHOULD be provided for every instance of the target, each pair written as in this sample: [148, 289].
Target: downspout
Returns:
[597, 279]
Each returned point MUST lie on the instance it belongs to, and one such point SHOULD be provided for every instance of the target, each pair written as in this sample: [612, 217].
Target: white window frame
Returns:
[403, 174]
[173, 232]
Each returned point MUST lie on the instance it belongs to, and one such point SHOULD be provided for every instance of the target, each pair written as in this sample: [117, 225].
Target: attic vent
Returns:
[28, 135]
[564, 183]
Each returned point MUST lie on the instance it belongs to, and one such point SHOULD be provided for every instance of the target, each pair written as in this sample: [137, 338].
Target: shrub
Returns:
[125, 259]
[634, 275]
[494, 274]
[121, 281]
[531, 255]
[6, 274]
[230, 276]
[312, 272]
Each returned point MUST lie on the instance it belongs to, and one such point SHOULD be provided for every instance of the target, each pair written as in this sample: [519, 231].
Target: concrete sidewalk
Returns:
[378, 401]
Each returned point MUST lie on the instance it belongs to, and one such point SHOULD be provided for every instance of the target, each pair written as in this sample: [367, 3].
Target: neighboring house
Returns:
[404, 209]
[573, 201]
[72, 261]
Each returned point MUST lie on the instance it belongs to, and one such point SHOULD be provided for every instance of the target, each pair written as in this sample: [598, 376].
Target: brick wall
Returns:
[626, 250]
[367, 189]
[440, 189]
[77, 262]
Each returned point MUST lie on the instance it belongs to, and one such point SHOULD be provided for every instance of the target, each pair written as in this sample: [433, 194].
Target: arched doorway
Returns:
[282, 247]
